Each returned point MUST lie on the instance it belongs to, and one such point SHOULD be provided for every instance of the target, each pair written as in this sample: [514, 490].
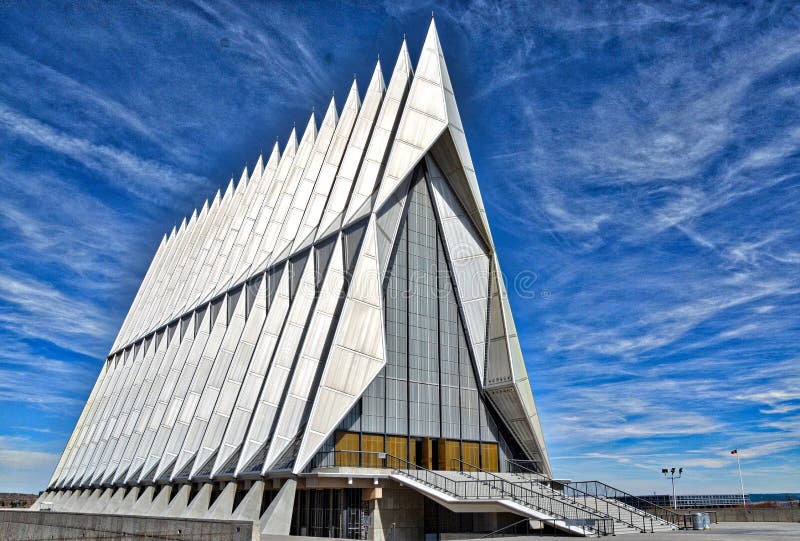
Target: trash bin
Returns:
[697, 521]
[706, 521]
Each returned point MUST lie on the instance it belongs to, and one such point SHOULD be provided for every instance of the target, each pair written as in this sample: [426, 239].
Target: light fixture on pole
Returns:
[672, 474]
[741, 482]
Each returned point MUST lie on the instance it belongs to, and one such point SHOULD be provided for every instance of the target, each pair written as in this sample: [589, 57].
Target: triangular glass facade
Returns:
[425, 404]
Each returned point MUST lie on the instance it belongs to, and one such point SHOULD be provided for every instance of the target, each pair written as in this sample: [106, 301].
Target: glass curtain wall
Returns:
[424, 406]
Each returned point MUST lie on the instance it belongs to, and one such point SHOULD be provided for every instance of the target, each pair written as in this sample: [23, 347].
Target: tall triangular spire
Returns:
[243, 180]
[331, 115]
[258, 169]
[424, 119]
[310, 132]
[380, 142]
[371, 194]
[291, 143]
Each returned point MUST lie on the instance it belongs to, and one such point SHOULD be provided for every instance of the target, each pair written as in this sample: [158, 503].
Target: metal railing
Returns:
[602, 490]
[518, 465]
[571, 512]
[493, 487]
[635, 518]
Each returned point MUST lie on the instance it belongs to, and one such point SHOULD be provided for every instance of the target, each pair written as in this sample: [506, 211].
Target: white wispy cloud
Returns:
[148, 179]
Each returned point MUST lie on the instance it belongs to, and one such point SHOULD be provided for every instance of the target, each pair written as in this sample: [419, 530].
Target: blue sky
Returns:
[639, 163]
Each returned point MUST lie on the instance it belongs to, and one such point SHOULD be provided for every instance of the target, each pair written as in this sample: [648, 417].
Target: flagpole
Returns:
[741, 482]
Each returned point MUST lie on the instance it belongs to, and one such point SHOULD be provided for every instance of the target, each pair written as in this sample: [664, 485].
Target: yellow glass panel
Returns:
[448, 451]
[347, 447]
[371, 443]
[427, 453]
[470, 452]
[396, 446]
[489, 457]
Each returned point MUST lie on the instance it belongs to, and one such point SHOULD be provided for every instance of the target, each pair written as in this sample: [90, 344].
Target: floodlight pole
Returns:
[741, 482]
[670, 473]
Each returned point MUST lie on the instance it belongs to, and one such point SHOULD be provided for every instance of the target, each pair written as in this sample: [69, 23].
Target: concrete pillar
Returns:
[55, 497]
[101, 501]
[77, 500]
[198, 507]
[277, 519]
[80, 503]
[113, 503]
[250, 507]
[222, 508]
[144, 502]
[177, 507]
[45, 496]
[160, 503]
[376, 530]
[63, 501]
[128, 503]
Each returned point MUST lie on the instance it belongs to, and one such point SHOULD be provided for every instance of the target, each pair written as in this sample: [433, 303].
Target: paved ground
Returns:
[736, 531]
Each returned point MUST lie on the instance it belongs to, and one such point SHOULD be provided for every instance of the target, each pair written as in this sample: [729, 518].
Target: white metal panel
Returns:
[157, 364]
[342, 186]
[379, 144]
[181, 300]
[256, 374]
[115, 410]
[152, 270]
[161, 391]
[234, 356]
[136, 310]
[74, 441]
[151, 316]
[468, 259]
[328, 169]
[304, 375]
[305, 188]
[357, 354]
[201, 290]
[229, 230]
[275, 384]
[187, 261]
[136, 390]
[238, 266]
[77, 461]
[387, 222]
[277, 173]
[270, 239]
[204, 242]
[195, 393]
[424, 118]
[519, 403]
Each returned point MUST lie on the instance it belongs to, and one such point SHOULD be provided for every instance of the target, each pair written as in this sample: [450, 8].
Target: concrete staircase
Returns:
[576, 512]
[461, 492]
[627, 519]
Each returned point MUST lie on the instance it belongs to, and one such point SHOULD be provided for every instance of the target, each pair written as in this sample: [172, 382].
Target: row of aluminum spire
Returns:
[275, 208]
[206, 376]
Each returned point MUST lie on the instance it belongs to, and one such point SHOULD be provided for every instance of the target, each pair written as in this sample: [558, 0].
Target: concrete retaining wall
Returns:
[755, 515]
[37, 525]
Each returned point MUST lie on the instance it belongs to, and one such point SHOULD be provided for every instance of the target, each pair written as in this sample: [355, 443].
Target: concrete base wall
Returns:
[399, 509]
[767, 514]
[37, 525]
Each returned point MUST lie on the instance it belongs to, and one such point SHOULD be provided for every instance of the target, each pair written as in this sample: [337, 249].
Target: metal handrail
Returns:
[514, 493]
[631, 511]
[471, 489]
[662, 513]
[519, 463]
